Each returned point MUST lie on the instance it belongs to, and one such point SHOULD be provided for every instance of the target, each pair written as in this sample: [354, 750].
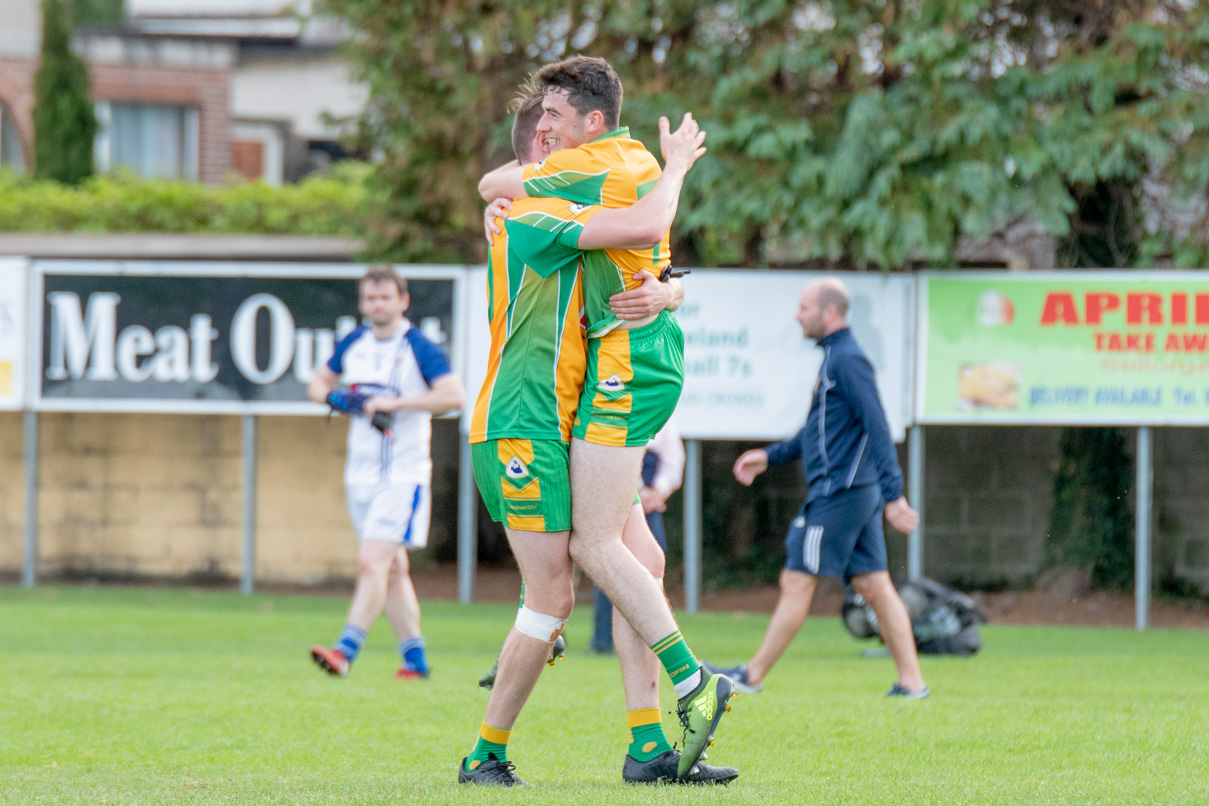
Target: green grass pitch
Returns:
[146, 696]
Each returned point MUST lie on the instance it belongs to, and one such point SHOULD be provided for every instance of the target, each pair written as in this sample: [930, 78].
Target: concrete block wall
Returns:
[12, 491]
[303, 534]
[160, 496]
[988, 500]
[1181, 510]
[139, 495]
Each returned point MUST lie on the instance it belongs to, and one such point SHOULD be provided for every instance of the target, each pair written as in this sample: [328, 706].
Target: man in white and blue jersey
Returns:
[851, 466]
[391, 368]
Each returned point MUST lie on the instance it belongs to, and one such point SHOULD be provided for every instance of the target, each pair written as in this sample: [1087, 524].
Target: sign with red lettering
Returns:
[1122, 347]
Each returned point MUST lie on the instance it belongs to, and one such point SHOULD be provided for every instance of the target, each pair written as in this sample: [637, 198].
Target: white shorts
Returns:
[396, 513]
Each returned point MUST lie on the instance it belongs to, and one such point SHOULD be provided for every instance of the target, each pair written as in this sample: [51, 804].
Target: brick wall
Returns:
[176, 72]
[144, 71]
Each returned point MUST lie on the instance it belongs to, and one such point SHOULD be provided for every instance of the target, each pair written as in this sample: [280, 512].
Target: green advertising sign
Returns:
[1124, 348]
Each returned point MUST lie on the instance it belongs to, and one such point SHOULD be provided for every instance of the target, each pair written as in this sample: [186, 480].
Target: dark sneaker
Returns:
[558, 651]
[491, 772]
[737, 674]
[700, 713]
[331, 661]
[662, 769]
[411, 674]
[907, 694]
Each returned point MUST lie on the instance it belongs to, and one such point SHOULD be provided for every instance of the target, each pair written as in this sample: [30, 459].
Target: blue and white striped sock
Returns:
[412, 651]
[350, 642]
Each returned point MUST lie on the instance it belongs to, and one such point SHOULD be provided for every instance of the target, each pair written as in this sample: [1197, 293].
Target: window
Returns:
[156, 142]
[10, 145]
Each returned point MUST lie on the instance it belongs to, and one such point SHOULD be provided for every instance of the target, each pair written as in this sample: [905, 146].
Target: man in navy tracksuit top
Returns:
[850, 464]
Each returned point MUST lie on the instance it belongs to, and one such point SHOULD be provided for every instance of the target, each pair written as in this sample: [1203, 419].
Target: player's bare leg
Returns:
[402, 605]
[602, 495]
[373, 569]
[374, 561]
[894, 625]
[793, 605]
[549, 596]
[650, 759]
[403, 612]
[639, 666]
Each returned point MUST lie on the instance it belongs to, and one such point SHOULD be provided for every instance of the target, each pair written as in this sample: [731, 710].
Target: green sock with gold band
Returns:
[647, 739]
[678, 662]
[491, 740]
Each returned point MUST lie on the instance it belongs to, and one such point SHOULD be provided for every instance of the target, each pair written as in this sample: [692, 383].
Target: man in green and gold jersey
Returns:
[522, 422]
[635, 369]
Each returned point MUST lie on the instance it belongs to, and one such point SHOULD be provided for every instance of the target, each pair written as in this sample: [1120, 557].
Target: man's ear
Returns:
[595, 120]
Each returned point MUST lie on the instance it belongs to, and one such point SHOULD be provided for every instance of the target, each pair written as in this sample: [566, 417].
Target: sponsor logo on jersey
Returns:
[799, 521]
[577, 208]
[516, 468]
[613, 383]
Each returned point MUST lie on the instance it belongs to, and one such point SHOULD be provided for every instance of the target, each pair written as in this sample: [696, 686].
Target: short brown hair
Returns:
[591, 84]
[383, 273]
[528, 107]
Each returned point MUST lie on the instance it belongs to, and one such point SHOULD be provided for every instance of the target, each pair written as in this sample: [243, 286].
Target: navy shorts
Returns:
[839, 535]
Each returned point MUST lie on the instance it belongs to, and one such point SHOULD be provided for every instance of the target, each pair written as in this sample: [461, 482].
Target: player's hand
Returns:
[644, 301]
[652, 501]
[379, 409]
[496, 210]
[682, 147]
[901, 516]
[751, 464]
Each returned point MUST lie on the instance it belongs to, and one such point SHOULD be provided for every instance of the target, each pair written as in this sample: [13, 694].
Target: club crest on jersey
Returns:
[516, 468]
[577, 208]
[613, 383]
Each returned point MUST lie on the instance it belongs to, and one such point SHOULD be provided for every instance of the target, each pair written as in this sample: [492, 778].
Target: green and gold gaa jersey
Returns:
[535, 295]
[612, 171]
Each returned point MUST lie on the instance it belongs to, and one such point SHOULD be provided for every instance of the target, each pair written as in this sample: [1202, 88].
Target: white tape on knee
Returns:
[538, 625]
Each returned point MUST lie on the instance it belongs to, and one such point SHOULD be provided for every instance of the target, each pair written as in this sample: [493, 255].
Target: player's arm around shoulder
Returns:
[506, 181]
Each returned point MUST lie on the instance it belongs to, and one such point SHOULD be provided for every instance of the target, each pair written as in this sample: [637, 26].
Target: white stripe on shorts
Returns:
[810, 548]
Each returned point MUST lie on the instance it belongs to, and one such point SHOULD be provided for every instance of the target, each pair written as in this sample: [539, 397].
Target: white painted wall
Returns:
[21, 29]
[298, 91]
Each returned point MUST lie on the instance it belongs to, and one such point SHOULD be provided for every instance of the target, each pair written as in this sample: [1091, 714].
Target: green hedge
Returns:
[338, 203]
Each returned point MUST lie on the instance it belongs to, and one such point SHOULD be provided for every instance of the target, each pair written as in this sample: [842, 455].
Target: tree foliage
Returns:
[861, 134]
[64, 123]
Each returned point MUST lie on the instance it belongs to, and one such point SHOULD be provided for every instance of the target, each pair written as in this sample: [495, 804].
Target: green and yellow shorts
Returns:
[634, 378]
[525, 483]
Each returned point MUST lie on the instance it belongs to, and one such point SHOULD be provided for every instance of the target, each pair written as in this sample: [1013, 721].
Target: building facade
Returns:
[194, 89]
